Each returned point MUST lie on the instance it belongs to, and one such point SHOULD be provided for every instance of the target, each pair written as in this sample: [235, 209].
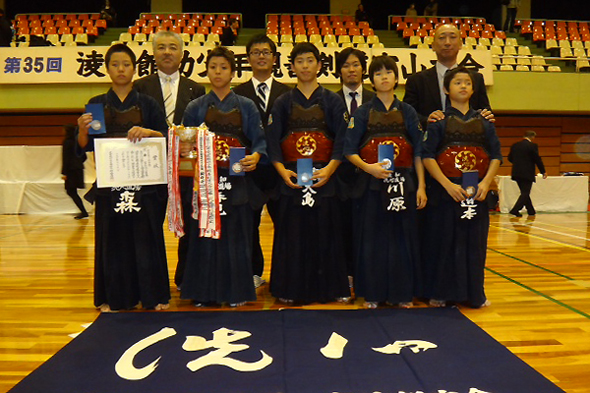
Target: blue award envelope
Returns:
[386, 153]
[304, 172]
[97, 125]
[469, 182]
[235, 155]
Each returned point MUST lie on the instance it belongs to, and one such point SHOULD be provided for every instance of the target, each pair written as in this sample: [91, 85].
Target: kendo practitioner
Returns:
[130, 256]
[386, 250]
[462, 153]
[219, 270]
[308, 263]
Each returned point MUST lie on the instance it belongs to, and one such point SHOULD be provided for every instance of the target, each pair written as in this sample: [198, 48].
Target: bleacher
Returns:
[333, 31]
[567, 40]
[195, 29]
[507, 53]
[58, 29]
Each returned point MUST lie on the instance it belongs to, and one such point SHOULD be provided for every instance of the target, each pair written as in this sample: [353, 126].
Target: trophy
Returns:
[188, 135]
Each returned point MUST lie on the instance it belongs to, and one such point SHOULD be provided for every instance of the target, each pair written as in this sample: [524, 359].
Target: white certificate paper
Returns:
[121, 163]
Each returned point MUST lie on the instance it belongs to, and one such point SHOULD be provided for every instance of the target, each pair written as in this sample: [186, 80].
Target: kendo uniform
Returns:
[457, 232]
[308, 261]
[130, 255]
[386, 250]
[220, 270]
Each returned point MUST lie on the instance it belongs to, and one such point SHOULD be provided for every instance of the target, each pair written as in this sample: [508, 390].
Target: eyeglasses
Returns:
[265, 53]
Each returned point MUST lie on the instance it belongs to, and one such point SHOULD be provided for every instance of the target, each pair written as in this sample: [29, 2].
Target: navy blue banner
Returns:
[290, 351]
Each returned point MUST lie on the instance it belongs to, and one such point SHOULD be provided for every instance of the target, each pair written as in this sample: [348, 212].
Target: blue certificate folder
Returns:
[97, 111]
[386, 153]
[469, 182]
[304, 172]
[235, 155]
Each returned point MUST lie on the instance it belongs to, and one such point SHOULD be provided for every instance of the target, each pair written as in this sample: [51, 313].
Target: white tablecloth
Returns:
[554, 194]
[30, 180]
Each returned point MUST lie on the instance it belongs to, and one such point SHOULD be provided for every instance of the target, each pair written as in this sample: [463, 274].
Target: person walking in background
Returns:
[524, 155]
[72, 170]
[5, 30]
[431, 9]
[511, 10]
[229, 34]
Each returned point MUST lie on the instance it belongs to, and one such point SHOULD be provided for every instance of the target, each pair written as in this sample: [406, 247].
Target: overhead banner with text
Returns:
[86, 64]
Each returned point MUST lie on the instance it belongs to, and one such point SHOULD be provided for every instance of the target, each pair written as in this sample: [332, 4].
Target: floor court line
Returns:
[558, 302]
[561, 243]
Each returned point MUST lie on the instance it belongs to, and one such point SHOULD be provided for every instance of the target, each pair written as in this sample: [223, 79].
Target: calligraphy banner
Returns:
[300, 351]
[85, 64]
[121, 163]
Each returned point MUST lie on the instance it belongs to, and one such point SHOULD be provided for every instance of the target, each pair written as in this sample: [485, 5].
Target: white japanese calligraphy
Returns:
[222, 341]
[335, 346]
[470, 212]
[124, 366]
[126, 203]
[307, 199]
[414, 345]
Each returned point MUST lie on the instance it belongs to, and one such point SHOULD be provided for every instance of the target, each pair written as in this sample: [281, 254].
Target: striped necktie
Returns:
[261, 93]
[169, 101]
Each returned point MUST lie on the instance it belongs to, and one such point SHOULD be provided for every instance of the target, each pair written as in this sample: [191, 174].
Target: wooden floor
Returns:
[538, 279]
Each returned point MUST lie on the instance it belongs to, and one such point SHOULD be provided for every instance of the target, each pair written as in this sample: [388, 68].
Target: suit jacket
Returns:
[524, 155]
[367, 96]
[422, 92]
[246, 89]
[188, 90]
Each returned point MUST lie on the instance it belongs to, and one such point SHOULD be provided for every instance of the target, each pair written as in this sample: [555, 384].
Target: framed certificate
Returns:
[121, 163]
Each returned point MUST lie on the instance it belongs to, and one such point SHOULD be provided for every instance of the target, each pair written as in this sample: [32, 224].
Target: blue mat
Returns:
[290, 351]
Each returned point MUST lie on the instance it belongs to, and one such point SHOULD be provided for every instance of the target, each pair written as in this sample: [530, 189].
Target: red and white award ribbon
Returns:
[175, 223]
[206, 197]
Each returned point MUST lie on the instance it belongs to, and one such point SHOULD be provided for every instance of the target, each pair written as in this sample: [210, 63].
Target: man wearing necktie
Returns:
[263, 89]
[173, 92]
[351, 65]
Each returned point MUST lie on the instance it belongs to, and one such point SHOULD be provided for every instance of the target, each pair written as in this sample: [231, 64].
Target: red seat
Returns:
[134, 30]
[101, 24]
[87, 23]
[216, 30]
[74, 23]
[64, 30]
[45, 17]
[188, 30]
[78, 30]
[83, 17]
[37, 30]
[203, 30]
[71, 17]
[50, 30]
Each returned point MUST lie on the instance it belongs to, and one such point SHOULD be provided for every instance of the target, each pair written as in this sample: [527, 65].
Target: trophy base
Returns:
[186, 166]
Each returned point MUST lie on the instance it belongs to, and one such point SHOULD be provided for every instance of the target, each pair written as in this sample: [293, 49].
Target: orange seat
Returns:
[64, 30]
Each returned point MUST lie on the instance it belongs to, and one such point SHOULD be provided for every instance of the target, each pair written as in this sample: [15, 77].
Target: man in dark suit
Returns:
[351, 66]
[424, 90]
[173, 92]
[524, 155]
[263, 90]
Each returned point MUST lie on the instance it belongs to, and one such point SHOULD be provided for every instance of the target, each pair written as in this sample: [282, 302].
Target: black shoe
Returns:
[514, 213]
[81, 216]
